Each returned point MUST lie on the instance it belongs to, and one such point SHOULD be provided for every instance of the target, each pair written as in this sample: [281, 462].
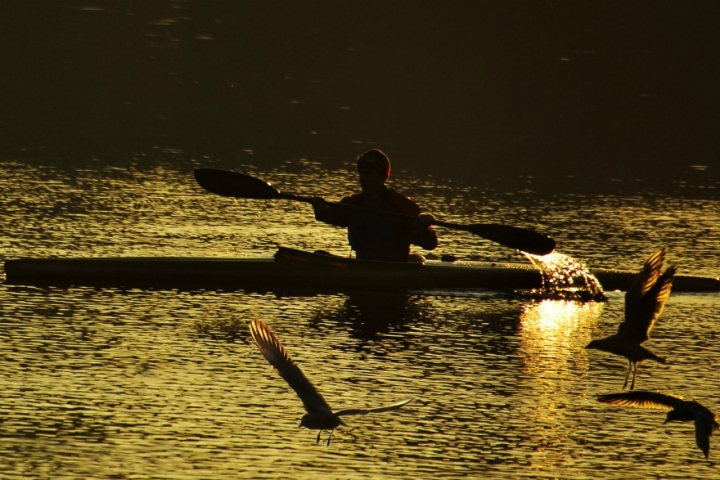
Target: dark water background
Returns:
[467, 90]
[594, 122]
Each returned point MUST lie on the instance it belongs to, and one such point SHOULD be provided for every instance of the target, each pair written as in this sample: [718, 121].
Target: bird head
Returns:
[304, 421]
[672, 415]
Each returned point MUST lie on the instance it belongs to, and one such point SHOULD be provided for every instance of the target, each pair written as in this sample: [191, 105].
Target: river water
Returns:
[131, 383]
[593, 122]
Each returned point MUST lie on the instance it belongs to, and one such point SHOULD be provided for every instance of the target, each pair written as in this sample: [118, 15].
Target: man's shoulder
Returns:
[399, 197]
[402, 201]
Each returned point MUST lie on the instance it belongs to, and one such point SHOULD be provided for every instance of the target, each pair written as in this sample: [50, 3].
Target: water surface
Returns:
[595, 123]
[130, 383]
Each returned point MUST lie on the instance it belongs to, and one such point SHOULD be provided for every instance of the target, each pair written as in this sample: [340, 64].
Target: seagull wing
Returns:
[642, 318]
[704, 427]
[365, 411]
[642, 399]
[274, 352]
[644, 281]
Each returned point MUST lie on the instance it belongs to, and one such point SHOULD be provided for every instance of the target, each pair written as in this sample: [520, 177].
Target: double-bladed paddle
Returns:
[239, 185]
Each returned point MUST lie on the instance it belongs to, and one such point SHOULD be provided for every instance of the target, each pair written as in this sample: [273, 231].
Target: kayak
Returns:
[296, 268]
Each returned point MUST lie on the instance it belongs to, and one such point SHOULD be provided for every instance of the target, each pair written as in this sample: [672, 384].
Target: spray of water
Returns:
[565, 278]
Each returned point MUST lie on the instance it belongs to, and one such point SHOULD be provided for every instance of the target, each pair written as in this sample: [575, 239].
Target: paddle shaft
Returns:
[439, 223]
[383, 213]
[238, 185]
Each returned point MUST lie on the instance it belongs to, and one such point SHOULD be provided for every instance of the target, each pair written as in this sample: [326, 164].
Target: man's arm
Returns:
[422, 233]
[331, 214]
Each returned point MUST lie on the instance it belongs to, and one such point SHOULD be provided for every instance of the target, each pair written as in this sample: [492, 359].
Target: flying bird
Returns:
[680, 410]
[319, 415]
[644, 302]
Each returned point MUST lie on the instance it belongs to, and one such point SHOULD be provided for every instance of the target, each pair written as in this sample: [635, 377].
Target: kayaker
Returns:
[374, 236]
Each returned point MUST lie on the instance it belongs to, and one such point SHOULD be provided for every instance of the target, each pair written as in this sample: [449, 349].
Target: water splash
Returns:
[565, 278]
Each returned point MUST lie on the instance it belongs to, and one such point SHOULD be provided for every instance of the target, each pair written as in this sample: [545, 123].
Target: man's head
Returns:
[375, 160]
[373, 167]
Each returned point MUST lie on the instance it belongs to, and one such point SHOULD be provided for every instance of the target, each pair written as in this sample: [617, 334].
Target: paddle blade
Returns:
[514, 237]
[233, 184]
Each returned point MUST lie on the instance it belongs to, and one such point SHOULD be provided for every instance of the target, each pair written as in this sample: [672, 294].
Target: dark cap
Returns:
[375, 160]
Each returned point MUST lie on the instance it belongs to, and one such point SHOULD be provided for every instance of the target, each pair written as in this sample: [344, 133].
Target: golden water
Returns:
[130, 383]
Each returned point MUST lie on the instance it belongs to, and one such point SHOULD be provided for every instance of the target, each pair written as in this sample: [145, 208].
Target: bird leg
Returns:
[628, 375]
[329, 437]
[318, 437]
[632, 386]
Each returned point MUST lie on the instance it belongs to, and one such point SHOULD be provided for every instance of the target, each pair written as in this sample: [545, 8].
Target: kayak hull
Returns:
[295, 268]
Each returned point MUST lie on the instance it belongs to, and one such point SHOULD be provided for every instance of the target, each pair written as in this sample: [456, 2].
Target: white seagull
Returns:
[644, 302]
[319, 415]
[680, 410]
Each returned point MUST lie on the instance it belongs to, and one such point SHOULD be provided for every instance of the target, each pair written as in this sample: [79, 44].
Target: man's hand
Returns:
[424, 220]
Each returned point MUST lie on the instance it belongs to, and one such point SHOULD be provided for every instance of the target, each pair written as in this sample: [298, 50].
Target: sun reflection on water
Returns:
[555, 325]
[552, 332]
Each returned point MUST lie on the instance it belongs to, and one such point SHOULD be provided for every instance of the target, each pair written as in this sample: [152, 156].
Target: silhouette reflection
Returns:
[372, 313]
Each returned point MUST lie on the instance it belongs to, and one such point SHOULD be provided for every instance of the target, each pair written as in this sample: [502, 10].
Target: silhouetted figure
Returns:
[374, 236]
